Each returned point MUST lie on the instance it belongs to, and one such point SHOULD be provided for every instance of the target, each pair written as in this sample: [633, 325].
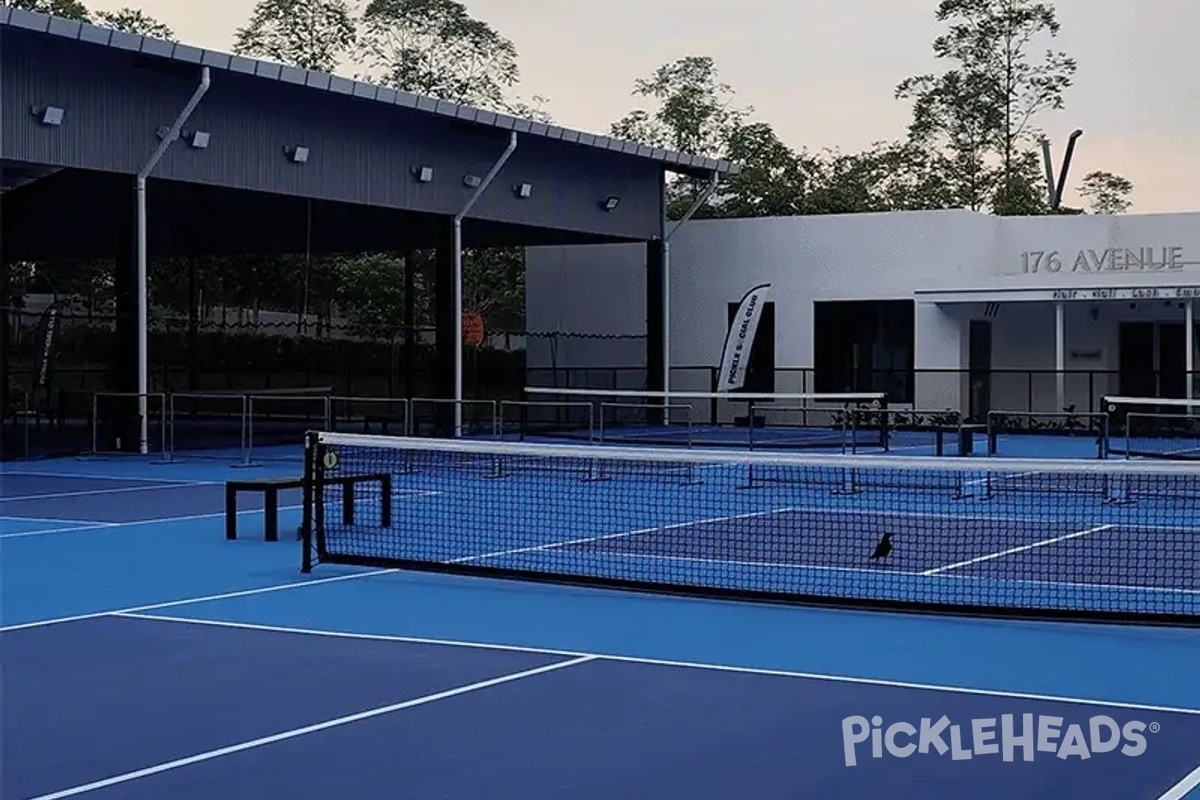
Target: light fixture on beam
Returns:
[472, 181]
[50, 116]
[610, 204]
[523, 190]
[298, 154]
[198, 139]
[423, 174]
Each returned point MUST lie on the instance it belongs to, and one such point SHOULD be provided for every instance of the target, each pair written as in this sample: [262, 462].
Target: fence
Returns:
[972, 392]
[60, 420]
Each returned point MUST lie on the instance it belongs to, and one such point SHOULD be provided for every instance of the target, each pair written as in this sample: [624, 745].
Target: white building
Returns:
[1028, 313]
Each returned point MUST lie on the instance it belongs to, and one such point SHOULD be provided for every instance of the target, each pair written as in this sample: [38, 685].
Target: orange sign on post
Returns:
[472, 326]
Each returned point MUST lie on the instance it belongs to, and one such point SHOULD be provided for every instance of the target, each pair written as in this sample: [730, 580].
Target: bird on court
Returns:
[883, 548]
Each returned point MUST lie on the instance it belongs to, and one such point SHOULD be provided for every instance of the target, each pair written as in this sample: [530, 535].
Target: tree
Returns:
[773, 177]
[695, 113]
[369, 290]
[494, 281]
[981, 113]
[436, 48]
[312, 34]
[535, 109]
[133, 20]
[1106, 193]
[70, 9]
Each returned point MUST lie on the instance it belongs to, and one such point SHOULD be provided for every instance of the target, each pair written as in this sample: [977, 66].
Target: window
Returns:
[864, 346]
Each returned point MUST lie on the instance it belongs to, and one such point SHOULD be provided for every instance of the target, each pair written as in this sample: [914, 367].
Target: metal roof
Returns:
[187, 54]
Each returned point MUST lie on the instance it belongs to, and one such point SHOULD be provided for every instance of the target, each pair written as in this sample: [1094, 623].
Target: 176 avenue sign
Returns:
[1169, 258]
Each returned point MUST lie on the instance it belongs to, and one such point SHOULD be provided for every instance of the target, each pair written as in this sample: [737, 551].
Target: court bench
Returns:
[271, 487]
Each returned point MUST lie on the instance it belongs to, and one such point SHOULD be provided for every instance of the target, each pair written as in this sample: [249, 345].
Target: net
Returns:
[431, 416]
[1082, 539]
[534, 420]
[724, 419]
[244, 424]
[275, 421]
[934, 432]
[387, 416]
[115, 423]
[1003, 424]
[1154, 427]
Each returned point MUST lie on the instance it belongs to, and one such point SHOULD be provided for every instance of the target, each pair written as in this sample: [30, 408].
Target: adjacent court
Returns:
[145, 656]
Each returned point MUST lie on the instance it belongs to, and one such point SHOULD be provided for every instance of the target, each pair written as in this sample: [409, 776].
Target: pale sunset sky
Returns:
[823, 71]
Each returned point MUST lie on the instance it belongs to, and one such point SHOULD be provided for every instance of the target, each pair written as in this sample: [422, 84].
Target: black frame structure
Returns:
[150, 149]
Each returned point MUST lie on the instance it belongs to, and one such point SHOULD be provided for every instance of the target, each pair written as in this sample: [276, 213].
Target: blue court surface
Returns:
[144, 656]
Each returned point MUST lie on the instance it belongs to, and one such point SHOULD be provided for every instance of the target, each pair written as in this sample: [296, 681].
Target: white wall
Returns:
[952, 262]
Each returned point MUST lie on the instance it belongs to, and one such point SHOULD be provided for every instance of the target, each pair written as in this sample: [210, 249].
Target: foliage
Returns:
[773, 177]
[1106, 193]
[535, 109]
[980, 114]
[69, 9]
[436, 48]
[494, 281]
[134, 20]
[696, 111]
[313, 34]
[369, 291]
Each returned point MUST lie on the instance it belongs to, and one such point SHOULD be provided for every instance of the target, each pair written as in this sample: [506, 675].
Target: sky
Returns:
[823, 72]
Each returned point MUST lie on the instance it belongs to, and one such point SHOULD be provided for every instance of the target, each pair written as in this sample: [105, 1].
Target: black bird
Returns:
[883, 548]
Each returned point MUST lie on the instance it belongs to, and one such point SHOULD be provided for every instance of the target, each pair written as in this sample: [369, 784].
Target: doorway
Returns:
[1152, 359]
[979, 367]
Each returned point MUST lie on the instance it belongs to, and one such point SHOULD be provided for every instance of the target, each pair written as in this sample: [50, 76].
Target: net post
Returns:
[171, 425]
[95, 423]
[162, 427]
[306, 524]
[385, 500]
[750, 423]
[247, 426]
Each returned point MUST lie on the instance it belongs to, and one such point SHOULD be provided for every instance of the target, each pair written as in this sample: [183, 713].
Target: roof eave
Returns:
[682, 163]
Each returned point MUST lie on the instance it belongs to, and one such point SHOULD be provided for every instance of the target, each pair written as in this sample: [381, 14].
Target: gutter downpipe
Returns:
[458, 278]
[700, 200]
[143, 290]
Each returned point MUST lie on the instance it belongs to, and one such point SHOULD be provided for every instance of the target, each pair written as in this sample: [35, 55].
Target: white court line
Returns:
[94, 477]
[1014, 476]
[92, 526]
[309, 729]
[903, 573]
[278, 587]
[608, 536]
[869, 512]
[1181, 789]
[661, 662]
[54, 521]
[83, 526]
[122, 490]
[1021, 549]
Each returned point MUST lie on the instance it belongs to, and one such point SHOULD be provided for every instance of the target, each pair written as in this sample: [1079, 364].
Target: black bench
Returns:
[966, 437]
[271, 487]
